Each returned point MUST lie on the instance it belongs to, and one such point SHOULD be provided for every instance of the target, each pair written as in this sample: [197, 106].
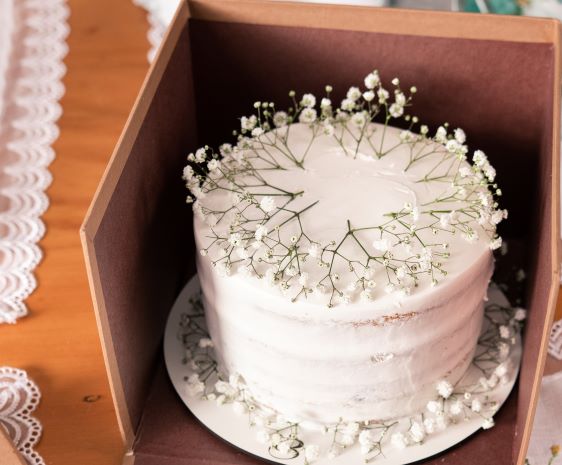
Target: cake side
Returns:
[322, 370]
[371, 358]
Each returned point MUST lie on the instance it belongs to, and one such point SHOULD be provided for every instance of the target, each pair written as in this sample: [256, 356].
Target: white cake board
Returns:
[234, 429]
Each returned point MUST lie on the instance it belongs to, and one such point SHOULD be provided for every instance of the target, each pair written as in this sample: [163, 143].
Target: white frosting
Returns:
[362, 360]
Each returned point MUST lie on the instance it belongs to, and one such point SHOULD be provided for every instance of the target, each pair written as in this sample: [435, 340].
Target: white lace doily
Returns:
[19, 397]
[32, 46]
[160, 14]
[555, 343]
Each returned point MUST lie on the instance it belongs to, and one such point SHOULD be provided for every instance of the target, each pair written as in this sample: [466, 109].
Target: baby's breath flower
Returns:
[399, 440]
[333, 453]
[470, 236]
[205, 342]
[456, 407]
[441, 135]
[225, 149]
[389, 288]
[239, 407]
[247, 124]
[417, 432]
[311, 452]
[213, 165]
[314, 250]
[328, 129]
[502, 369]
[345, 298]
[476, 405]
[308, 116]
[496, 243]
[366, 438]
[492, 381]
[200, 155]
[235, 239]
[187, 173]
[359, 119]
[479, 158]
[243, 247]
[382, 245]
[369, 96]
[407, 136]
[505, 332]
[242, 253]
[353, 94]
[520, 314]
[280, 119]
[261, 232]
[383, 95]
[460, 136]
[444, 388]
[396, 110]
[372, 80]
[489, 172]
[400, 99]
[347, 104]
[445, 220]
[256, 132]
[429, 425]
[488, 423]
[194, 385]
[308, 100]
[267, 204]
[366, 296]
[303, 279]
[341, 116]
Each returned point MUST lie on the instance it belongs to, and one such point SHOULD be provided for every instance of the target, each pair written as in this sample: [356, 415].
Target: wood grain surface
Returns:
[58, 343]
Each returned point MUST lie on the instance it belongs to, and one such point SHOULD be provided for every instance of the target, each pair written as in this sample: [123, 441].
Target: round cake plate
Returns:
[234, 428]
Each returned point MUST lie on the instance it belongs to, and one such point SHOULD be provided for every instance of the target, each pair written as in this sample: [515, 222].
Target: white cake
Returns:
[354, 308]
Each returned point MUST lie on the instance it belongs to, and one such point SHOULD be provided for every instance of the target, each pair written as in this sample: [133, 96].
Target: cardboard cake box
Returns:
[496, 77]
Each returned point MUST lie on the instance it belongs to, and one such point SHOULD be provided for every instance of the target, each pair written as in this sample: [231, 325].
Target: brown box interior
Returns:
[501, 92]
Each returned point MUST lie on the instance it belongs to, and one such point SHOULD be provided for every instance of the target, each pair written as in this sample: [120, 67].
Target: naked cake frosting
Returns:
[344, 261]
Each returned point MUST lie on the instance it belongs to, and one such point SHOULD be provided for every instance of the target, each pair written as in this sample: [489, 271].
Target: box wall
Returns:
[543, 273]
[303, 59]
[457, 80]
[143, 240]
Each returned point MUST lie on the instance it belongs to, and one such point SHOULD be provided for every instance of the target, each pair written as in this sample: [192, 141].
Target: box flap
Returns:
[136, 234]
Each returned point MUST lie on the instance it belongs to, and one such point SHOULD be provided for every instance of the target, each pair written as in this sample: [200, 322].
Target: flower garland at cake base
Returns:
[283, 437]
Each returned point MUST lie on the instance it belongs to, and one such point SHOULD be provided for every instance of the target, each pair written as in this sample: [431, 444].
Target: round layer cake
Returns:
[343, 265]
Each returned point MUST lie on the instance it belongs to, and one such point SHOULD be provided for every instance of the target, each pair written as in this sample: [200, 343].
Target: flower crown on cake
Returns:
[252, 240]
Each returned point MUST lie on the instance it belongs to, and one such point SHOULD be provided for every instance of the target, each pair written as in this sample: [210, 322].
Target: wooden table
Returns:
[58, 343]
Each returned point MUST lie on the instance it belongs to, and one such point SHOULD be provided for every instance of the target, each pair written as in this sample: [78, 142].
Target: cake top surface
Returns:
[329, 206]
